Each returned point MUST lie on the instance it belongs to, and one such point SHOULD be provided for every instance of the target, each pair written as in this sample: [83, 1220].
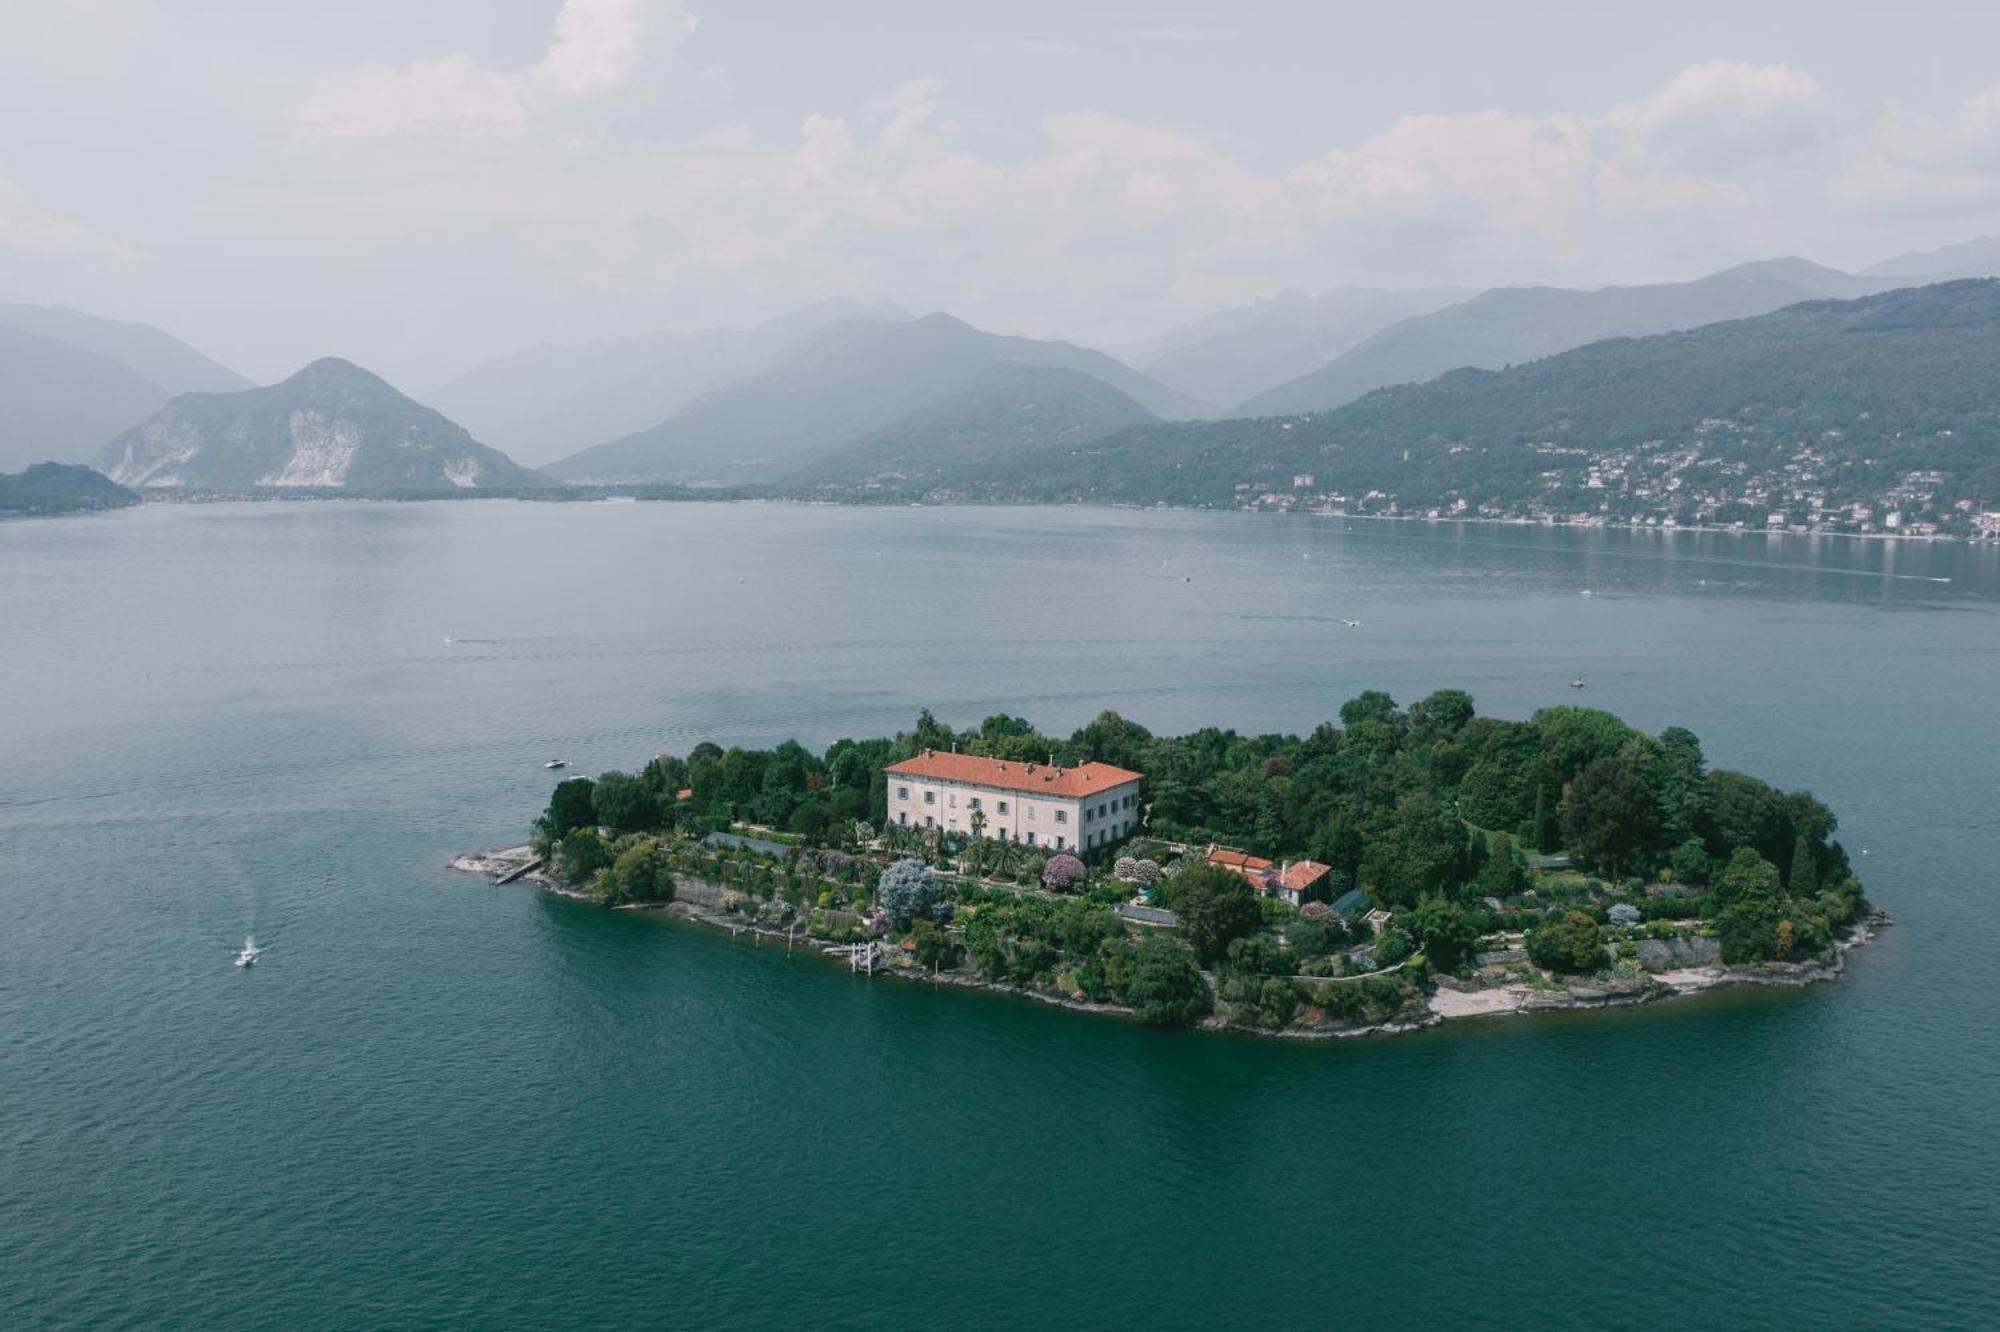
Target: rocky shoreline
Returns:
[1450, 999]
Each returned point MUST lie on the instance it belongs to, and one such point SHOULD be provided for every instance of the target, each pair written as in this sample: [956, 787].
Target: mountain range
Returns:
[69, 381]
[1234, 354]
[1844, 399]
[332, 425]
[1513, 325]
[859, 380]
[548, 402]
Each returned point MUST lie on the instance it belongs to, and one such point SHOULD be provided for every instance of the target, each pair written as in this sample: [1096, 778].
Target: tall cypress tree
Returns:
[1803, 882]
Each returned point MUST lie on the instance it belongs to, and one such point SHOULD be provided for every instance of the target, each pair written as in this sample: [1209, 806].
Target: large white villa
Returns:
[1035, 804]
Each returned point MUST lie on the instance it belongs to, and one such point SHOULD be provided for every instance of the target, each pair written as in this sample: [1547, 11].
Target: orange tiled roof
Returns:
[1241, 861]
[1304, 874]
[1003, 774]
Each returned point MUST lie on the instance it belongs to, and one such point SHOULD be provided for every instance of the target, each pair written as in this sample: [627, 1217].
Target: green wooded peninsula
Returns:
[1393, 867]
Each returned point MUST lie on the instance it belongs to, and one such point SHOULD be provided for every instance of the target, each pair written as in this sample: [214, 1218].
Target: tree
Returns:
[571, 805]
[639, 874]
[911, 891]
[1445, 931]
[1413, 851]
[935, 948]
[625, 804]
[1690, 862]
[1441, 715]
[1573, 944]
[1613, 813]
[1684, 795]
[1748, 877]
[1163, 984]
[1804, 881]
[1502, 873]
[1062, 872]
[1573, 738]
[581, 854]
[1215, 906]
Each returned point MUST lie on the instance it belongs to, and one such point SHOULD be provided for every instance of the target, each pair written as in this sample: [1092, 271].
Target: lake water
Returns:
[436, 1103]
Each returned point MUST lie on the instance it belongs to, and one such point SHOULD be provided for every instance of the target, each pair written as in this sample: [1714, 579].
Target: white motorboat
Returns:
[251, 952]
[556, 763]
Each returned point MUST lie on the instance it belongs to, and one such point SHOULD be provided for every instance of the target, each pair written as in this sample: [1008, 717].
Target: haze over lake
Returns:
[440, 1103]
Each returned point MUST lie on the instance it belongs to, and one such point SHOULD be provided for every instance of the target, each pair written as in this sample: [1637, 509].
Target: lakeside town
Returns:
[1675, 488]
[1404, 867]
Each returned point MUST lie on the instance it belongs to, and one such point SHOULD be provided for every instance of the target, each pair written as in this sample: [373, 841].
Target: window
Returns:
[1062, 816]
[954, 800]
[930, 797]
[929, 822]
[1059, 842]
[902, 793]
[1031, 839]
[1003, 807]
[975, 802]
[1031, 812]
[1089, 814]
[903, 817]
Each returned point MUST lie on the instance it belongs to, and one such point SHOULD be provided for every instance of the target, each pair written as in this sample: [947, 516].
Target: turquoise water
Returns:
[436, 1103]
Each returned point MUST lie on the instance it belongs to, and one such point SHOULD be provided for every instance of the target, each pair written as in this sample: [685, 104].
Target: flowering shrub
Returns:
[1061, 871]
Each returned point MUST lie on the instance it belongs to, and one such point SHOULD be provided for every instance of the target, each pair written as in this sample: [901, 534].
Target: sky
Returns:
[420, 187]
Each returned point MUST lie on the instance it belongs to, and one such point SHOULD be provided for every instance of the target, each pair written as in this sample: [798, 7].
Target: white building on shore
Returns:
[1035, 804]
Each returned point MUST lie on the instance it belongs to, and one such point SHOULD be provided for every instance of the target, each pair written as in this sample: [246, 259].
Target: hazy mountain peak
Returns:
[332, 424]
[1512, 325]
[147, 351]
[1979, 257]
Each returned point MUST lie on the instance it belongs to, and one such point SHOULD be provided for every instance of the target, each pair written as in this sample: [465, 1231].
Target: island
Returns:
[1395, 869]
[55, 488]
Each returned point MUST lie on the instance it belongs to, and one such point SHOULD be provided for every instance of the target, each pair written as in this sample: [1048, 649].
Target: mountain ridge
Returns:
[331, 425]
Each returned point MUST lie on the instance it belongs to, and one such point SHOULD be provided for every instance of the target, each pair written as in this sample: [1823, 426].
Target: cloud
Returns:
[598, 47]
[30, 230]
[1105, 226]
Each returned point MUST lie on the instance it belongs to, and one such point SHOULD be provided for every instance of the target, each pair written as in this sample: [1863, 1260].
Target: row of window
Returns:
[1000, 806]
[1104, 808]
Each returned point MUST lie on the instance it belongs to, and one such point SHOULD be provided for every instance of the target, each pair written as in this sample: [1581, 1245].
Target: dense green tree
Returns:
[1445, 931]
[1412, 851]
[1109, 738]
[1684, 793]
[1261, 955]
[1690, 862]
[571, 805]
[1575, 943]
[1215, 906]
[582, 853]
[935, 948]
[640, 874]
[625, 804]
[1440, 715]
[1803, 882]
[1163, 984]
[1372, 705]
[1502, 872]
[1746, 812]
[1747, 877]
[1573, 738]
[1613, 812]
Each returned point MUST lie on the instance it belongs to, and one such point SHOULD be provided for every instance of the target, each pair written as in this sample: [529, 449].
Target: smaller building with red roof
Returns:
[1296, 881]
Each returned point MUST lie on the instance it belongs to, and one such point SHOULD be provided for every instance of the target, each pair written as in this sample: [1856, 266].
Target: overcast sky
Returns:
[419, 186]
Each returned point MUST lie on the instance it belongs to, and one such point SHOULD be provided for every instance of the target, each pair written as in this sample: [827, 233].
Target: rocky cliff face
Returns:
[332, 425]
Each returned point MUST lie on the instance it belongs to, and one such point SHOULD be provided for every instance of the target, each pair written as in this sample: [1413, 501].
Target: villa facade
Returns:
[1035, 804]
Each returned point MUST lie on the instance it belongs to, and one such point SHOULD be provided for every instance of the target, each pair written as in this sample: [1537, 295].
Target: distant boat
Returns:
[1576, 683]
[556, 763]
[251, 952]
[1352, 624]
